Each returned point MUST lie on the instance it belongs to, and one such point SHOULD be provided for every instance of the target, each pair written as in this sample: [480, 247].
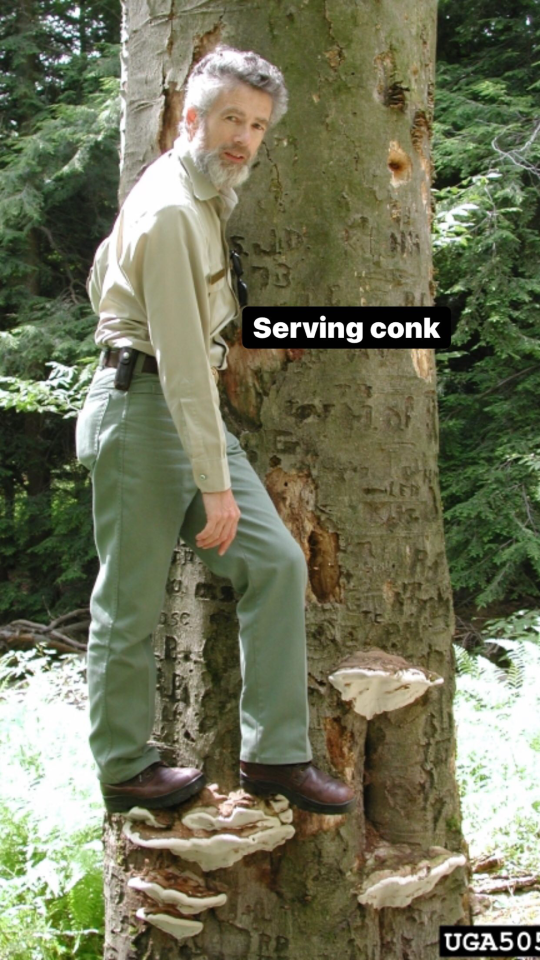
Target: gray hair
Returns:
[226, 66]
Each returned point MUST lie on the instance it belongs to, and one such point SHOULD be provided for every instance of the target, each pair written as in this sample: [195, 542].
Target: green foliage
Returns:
[48, 547]
[46, 47]
[59, 113]
[62, 392]
[51, 900]
[487, 257]
[57, 197]
[521, 625]
[498, 730]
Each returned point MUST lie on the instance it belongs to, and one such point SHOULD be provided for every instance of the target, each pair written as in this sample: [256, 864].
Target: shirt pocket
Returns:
[88, 429]
[221, 300]
[216, 281]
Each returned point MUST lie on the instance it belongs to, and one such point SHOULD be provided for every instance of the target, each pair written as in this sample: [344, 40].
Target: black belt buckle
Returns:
[126, 364]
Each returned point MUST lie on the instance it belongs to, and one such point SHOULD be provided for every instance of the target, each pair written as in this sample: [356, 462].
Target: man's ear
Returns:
[192, 121]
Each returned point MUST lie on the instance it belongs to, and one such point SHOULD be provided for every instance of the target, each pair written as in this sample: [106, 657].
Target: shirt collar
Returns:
[203, 188]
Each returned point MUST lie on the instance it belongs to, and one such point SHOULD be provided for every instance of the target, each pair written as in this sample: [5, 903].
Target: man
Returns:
[163, 462]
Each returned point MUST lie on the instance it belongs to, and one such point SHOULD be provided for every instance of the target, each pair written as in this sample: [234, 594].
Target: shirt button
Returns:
[202, 476]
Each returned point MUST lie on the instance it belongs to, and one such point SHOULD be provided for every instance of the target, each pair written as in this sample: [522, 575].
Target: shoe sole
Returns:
[264, 788]
[121, 803]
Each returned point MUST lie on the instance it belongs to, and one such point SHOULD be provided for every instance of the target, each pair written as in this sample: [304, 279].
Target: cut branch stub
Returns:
[378, 682]
[219, 831]
[396, 875]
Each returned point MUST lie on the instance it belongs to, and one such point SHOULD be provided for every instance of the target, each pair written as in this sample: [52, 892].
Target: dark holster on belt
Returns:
[126, 365]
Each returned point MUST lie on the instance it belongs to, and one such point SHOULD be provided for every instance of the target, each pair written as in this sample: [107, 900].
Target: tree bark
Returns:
[337, 212]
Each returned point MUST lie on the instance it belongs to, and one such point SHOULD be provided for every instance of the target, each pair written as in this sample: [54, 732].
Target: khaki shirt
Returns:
[161, 283]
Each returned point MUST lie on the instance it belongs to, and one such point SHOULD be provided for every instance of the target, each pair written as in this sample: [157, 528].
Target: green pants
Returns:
[144, 497]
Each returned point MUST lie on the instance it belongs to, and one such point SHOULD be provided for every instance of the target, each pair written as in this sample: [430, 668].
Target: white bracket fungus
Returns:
[176, 926]
[281, 806]
[184, 891]
[146, 816]
[205, 818]
[377, 681]
[219, 831]
[396, 875]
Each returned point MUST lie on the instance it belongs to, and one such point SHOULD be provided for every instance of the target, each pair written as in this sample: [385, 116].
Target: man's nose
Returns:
[242, 135]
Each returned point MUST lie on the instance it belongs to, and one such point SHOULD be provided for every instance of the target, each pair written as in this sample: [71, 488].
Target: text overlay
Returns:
[489, 941]
[340, 327]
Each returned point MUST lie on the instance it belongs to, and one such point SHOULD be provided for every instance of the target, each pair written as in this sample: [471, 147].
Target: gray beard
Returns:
[209, 163]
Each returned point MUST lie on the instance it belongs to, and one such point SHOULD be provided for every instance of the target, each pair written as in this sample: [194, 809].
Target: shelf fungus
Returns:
[396, 875]
[171, 923]
[377, 681]
[184, 891]
[149, 817]
[216, 830]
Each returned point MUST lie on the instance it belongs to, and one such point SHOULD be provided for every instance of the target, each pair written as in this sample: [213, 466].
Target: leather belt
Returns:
[149, 364]
[111, 359]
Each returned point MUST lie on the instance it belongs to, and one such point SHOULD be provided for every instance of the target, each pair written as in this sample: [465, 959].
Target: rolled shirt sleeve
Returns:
[168, 266]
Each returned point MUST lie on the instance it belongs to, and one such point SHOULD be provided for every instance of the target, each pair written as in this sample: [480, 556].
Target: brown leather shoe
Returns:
[302, 784]
[157, 786]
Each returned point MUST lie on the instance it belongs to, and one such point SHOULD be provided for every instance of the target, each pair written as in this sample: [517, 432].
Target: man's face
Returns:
[225, 142]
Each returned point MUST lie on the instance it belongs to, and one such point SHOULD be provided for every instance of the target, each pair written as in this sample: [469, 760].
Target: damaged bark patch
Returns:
[340, 746]
[399, 164]
[324, 570]
[205, 43]
[395, 96]
[295, 353]
[420, 138]
[266, 869]
[420, 130]
[249, 376]
[391, 91]
[423, 362]
[173, 97]
[335, 57]
[173, 101]
[310, 824]
[294, 497]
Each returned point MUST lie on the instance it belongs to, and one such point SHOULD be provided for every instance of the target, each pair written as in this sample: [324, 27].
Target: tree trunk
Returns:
[337, 212]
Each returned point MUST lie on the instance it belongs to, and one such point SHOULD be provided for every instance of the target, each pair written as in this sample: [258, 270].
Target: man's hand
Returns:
[222, 515]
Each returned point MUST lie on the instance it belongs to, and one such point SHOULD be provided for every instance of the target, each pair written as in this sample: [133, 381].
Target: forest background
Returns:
[59, 152]
[59, 134]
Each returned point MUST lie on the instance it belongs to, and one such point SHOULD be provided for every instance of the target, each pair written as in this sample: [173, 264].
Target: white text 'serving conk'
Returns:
[382, 327]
